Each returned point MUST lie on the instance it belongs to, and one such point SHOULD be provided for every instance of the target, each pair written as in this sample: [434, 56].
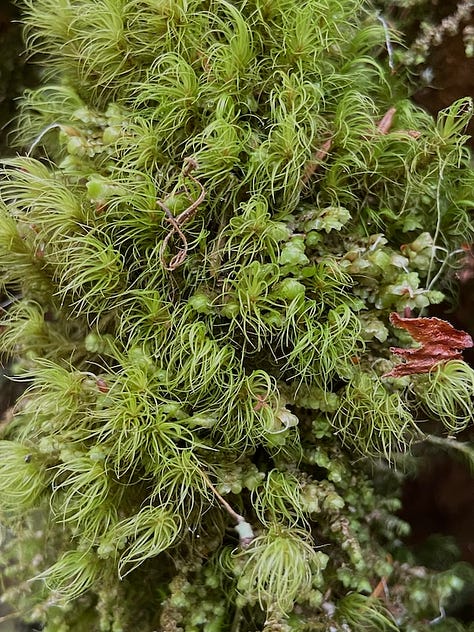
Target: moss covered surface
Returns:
[235, 197]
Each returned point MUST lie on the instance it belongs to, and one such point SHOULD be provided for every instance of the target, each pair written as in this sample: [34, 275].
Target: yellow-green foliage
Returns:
[202, 249]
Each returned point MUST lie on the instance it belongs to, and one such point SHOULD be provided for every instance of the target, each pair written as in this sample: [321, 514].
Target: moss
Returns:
[221, 206]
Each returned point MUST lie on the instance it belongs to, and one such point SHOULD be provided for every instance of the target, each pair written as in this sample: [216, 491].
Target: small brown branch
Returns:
[180, 220]
[180, 256]
[449, 26]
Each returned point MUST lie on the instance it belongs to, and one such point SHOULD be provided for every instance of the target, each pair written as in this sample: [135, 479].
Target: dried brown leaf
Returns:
[439, 342]
[385, 123]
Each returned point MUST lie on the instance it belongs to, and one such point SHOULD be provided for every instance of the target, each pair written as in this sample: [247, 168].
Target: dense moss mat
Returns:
[222, 204]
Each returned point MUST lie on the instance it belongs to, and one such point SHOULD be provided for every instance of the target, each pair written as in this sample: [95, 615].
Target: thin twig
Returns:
[180, 220]
[243, 528]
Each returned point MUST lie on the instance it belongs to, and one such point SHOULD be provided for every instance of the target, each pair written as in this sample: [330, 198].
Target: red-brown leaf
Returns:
[385, 123]
[439, 342]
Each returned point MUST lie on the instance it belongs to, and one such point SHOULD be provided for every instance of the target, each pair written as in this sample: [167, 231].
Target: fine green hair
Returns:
[220, 205]
[278, 567]
[446, 394]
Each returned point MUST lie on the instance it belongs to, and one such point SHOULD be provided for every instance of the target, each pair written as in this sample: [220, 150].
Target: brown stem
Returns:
[180, 220]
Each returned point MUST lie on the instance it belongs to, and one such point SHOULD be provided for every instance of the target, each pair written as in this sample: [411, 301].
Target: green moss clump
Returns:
[234, 199]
